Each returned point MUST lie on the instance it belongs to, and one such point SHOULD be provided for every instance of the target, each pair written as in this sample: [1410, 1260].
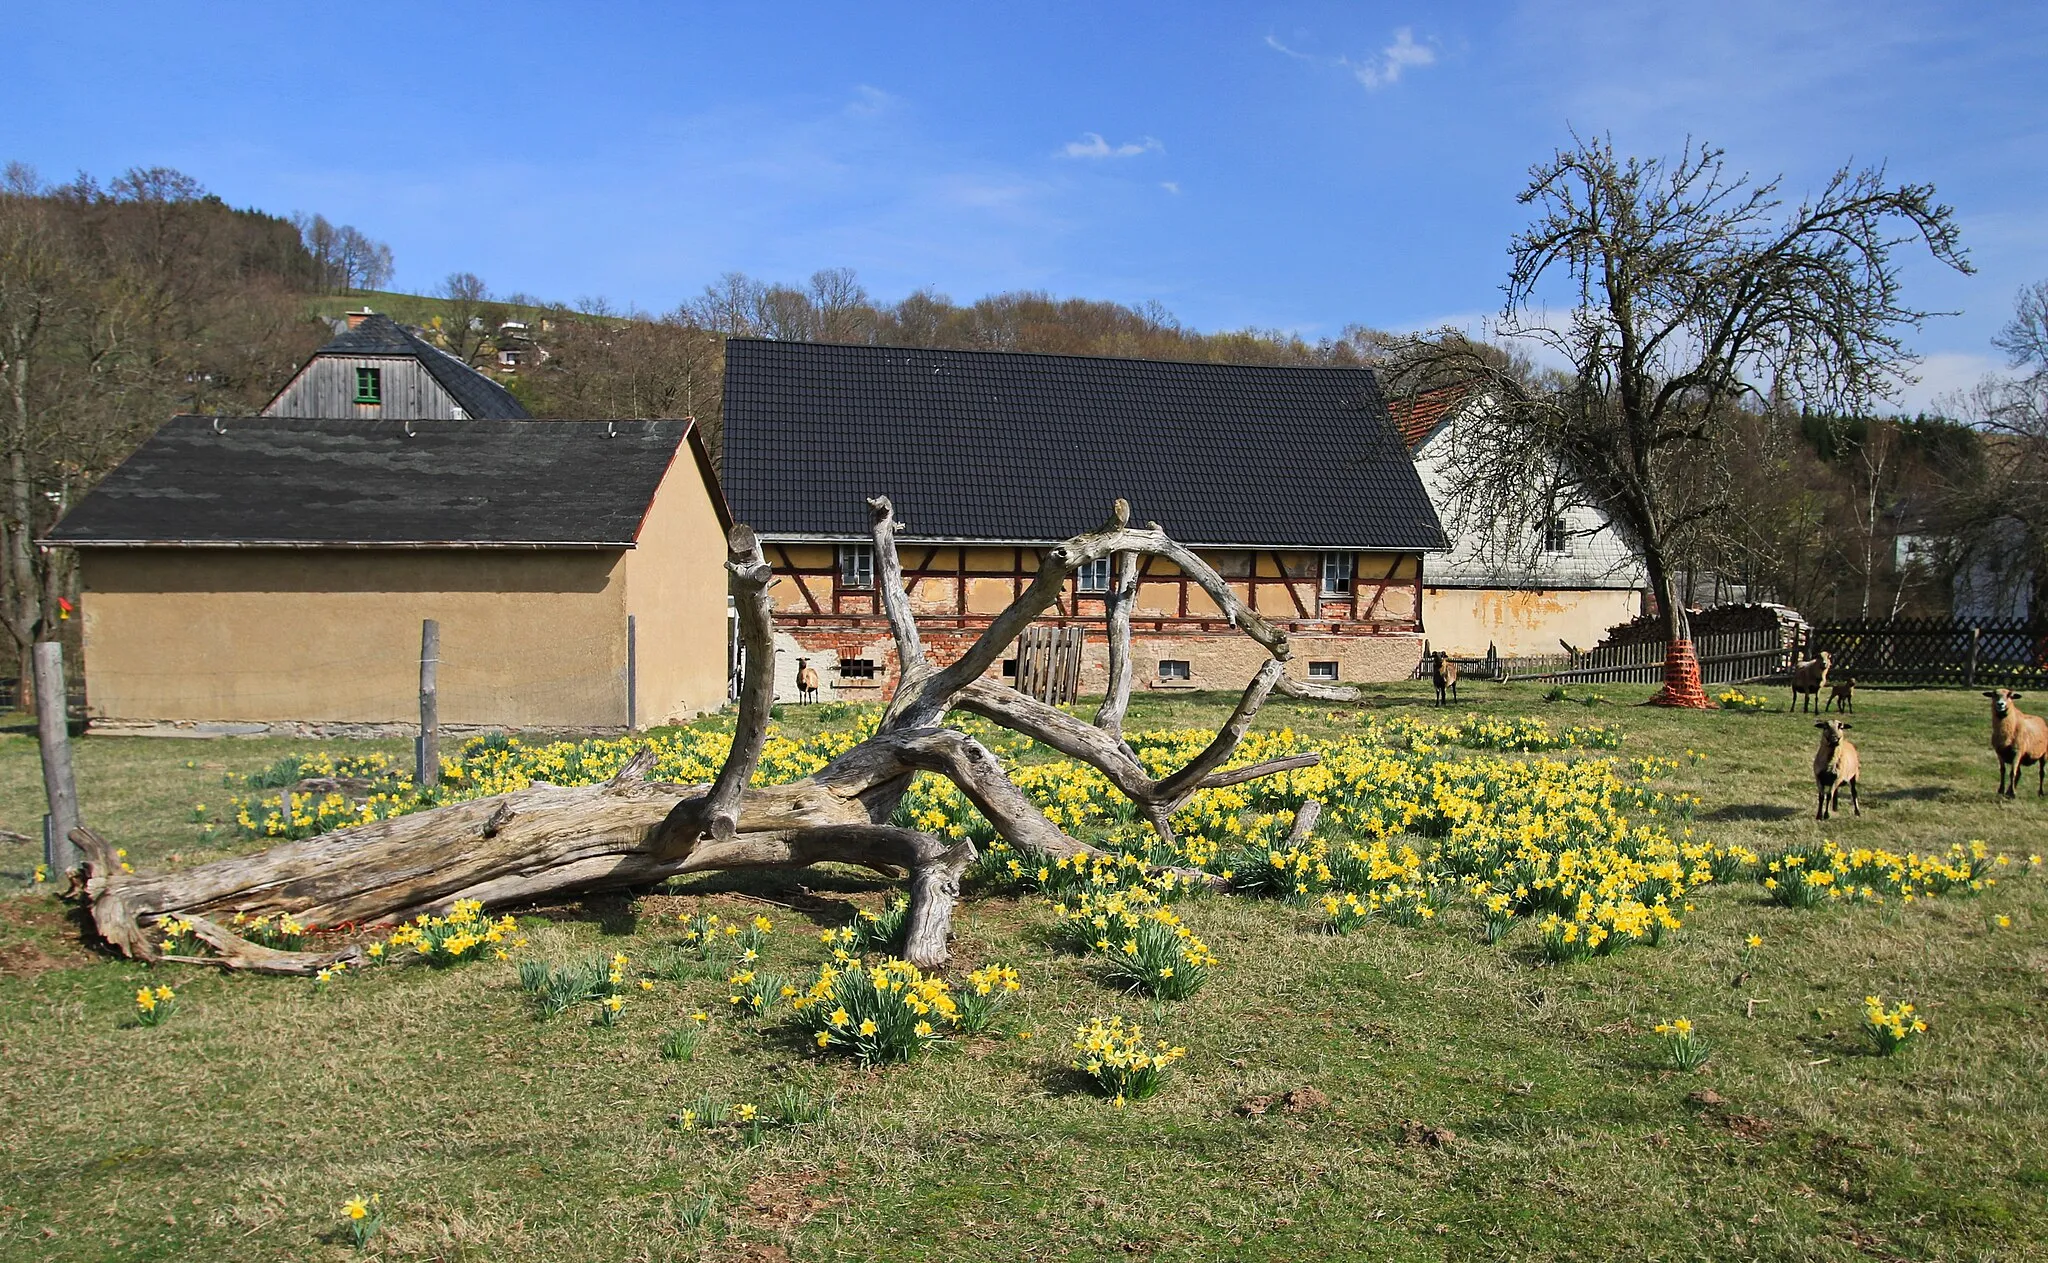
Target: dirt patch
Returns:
[783, 1200]
[26, 960]
[1414, 1133]
[1747, 1126]
[1298, 1101]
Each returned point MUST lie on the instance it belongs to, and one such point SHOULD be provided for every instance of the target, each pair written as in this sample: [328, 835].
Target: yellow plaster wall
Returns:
[675, 590]
[528, 638]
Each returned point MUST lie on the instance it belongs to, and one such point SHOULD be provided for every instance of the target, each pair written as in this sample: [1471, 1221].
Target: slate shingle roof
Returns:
[479, 396]
[991, 445]
[297, 481]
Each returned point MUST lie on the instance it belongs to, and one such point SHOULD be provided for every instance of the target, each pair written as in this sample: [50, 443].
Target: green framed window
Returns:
[369, 385]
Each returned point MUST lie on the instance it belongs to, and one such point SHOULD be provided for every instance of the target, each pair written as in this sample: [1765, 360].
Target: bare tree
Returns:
[552, 841]
[359, 262]
[1688, 290]
[466, 317]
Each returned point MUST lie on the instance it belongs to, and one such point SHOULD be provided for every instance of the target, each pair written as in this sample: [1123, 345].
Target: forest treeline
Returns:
[124, 303]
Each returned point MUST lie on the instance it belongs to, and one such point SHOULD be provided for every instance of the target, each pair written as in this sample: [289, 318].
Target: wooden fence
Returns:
[1938, 651]
[1049, 663]
[1726, 658]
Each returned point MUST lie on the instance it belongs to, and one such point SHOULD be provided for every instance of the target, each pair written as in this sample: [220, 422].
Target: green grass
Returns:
[238, 1128]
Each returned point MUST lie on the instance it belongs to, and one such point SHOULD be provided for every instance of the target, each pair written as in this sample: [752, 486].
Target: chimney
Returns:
[357, 317]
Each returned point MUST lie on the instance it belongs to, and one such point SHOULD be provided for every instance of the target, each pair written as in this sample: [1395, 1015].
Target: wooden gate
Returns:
[1049, 663]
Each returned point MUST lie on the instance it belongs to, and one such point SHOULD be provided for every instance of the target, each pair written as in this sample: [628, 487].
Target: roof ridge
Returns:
[1060, 355]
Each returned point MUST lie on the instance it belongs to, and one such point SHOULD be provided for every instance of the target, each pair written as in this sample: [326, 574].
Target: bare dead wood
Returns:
[549, 841]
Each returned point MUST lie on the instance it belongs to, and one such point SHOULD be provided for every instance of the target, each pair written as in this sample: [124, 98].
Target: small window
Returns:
[1174, 669]
[1093, 576]
[856, 566]
[1009, 668]
[1557, 536]
[1322, 671]
[856, 668]
[369, 385]
[1337, 571]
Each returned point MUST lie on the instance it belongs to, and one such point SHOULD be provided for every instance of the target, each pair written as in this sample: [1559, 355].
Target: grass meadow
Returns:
[1390, 1093]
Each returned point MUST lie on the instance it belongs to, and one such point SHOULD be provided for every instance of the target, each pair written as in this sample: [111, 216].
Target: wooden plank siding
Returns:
[961, 586]
[327, 388]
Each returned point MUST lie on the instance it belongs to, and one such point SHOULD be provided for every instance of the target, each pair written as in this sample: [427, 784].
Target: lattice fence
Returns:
[1937, 651]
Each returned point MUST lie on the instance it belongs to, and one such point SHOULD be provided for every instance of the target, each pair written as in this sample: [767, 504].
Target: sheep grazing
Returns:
[1841, 695]
[1444, 673]
[2018, 739]
[1808, 678]
[1835, 765]
[806, 681]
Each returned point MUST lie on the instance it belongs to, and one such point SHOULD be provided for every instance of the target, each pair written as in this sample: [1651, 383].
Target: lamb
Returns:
[1444, 673]
[1835, 764]
[806, 681]
[2018, 739]
[1808, 678]
[1841, 695]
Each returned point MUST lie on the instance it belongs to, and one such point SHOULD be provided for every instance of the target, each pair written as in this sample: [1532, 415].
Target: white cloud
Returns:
[1092, 145]
[1385, 71]
[1171, 186]
[1382, 71]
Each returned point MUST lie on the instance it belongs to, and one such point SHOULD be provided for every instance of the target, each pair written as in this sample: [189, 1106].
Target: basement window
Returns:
[856, 668]
[1322, 671]
[369, 385]
[1174, 669]
[1093, 576]
[856, 565]
[1557, 537]
[1337, 571]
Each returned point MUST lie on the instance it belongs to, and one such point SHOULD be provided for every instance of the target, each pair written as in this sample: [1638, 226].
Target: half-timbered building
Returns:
[1291, 481]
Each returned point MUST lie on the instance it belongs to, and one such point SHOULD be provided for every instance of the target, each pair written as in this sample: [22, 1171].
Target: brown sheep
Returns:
[1842, 695]
[2018, 739]
[1808, 678]
[1835, 764]
[1444, 673]
[806, 681]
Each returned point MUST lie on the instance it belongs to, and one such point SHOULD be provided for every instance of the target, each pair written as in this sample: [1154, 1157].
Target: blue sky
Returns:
[1297, 166]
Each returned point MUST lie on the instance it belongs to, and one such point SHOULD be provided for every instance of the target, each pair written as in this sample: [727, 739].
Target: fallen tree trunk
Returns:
[551, 841]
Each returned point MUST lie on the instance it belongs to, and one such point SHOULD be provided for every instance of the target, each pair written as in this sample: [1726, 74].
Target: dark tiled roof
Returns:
[479, 396]
[1003, 446]
[283, 480]
[1417, 416]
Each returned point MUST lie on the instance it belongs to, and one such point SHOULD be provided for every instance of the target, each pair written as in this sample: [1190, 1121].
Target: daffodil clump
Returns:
[180, 939]
[1144, 946]
[1810, 877]
[989, 991]
[363, 1217]
[283, 931]
[1889, 1030]
[710, 937]
[555, 989]
[154, 1006]
[465, 934]
[1736, 699]
[1117, 1061]
[889, 1011]
[878, 931]
[1684, 1049]
[755, 994]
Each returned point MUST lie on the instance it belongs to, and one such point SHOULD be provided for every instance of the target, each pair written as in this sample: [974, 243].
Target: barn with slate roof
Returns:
[1292, 481]
[276, 571]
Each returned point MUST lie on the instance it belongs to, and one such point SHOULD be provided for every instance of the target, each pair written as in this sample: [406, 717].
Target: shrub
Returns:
[886, 1012]
[1117, 1062]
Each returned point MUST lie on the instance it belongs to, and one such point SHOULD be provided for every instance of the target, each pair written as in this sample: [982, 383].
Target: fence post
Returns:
[632, 674]
[1970, 676]
[427, 750]
[53, 731]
